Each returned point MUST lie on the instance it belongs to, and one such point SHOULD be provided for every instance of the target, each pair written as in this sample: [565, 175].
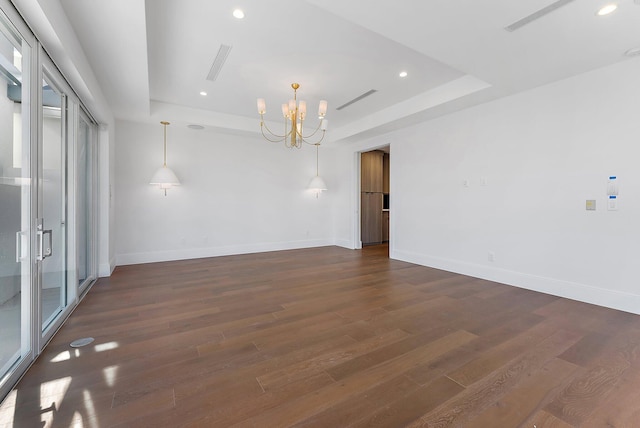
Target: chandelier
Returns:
[294, 114]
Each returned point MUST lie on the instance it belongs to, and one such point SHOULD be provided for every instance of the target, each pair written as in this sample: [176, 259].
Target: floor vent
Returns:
[79, 343]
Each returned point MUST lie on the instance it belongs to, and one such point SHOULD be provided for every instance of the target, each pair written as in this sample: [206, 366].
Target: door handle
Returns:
[44, 252]
[19, 247]
[48, 250]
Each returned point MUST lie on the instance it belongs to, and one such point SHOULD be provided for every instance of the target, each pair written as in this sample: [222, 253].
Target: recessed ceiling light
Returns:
[403, 74]
[606, 10]
[194, 126]
[203, 93]
[238, 14]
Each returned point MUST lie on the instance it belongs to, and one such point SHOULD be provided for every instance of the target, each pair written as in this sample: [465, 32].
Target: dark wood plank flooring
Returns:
[329, 337]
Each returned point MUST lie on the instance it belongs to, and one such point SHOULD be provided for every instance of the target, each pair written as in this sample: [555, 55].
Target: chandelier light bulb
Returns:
[302, 109]
[322, 108]
[262, 106]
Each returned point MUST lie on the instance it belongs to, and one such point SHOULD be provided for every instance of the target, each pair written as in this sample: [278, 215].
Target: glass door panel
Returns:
[51, 234]
[15, 201]
[84, 203]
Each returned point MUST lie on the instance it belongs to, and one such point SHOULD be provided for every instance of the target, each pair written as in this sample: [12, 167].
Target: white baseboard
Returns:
[344, 243]
[106, 269]
[581, 292]
[198, 253]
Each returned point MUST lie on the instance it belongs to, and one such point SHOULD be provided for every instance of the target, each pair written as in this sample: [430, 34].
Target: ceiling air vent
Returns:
[218, 62]
[536, 15]
[356, 99]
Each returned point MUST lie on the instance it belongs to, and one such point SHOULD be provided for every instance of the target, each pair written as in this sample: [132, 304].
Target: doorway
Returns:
[375, 197]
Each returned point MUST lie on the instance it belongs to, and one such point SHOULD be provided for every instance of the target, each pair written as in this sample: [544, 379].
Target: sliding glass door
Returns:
[48, 170]
[86, 136]
[51, 248]
[15, 201]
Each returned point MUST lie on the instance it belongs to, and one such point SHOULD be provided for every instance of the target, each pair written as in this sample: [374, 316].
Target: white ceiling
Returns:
[152, 58]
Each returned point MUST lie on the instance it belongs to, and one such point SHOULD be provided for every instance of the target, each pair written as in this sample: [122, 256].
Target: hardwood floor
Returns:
[329, 337]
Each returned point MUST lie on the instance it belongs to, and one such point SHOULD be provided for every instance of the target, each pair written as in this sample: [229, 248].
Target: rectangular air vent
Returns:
[536, 15]
[356, 99]
[218, 62]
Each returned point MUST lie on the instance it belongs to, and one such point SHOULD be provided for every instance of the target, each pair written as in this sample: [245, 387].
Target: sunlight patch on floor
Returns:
[54, 391]
[8, 408]
[62, 356]
[91, 411]
[110, 375]
[106, 346]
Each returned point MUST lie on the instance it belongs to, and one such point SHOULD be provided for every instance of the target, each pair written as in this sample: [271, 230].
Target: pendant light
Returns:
[317, 184]
[164, 178]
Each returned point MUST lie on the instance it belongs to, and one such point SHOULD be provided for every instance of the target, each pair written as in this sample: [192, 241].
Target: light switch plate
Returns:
[591, 205]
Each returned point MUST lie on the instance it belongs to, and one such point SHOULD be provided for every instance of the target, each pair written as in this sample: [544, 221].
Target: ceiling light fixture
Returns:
[403, 74]
[607, 9]
[294, 115]
[238, 14]
[164, 178]
[203, 93]
[317, 184]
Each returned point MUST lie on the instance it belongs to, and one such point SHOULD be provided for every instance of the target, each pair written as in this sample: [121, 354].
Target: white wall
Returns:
[542, 154]
[239, 194]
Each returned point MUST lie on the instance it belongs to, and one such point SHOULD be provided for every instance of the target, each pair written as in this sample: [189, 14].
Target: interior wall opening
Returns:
[375, 197]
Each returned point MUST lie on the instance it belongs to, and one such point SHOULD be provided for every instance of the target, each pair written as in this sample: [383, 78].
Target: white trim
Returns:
[571, 290]
[197, 253]
[106, 269]
[344, 243]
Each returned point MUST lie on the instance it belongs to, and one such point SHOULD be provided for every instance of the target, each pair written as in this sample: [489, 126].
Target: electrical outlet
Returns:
[491, 256]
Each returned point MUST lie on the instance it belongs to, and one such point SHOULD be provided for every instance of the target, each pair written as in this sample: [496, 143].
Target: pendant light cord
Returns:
[165, 142]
